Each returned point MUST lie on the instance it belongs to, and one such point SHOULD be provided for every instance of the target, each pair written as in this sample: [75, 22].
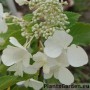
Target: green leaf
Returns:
[20, 88]
[6, 81]
[81, 33]
[13, 31]
[72, 18]
[3, 69]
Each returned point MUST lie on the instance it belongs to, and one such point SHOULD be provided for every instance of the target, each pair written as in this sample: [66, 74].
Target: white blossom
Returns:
[36, 85]
[60, 41]
[16, 56]
[3, 25]
[60, 71]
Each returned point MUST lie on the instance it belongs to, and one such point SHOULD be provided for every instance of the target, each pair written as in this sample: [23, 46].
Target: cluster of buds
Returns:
[23, 24]
[49, 16]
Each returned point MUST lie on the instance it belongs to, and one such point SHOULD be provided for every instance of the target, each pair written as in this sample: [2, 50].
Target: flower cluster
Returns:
[57, 53]
[24, 24]
[49, 16]
[58, 47]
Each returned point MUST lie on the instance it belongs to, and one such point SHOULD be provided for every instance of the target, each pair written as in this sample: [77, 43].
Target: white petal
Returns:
[63, 38]
[13, 68]
[48, 75]
[40, 60]
[63, 60]
[20, 83]
[12, 55]
[38, 65]
[77, 56]
[39, 56]
[3, 26]
[20, 2]
[65, 76]
[51, 62]
[26, 61]
[8, 56]
[1, 10]
[37, 85]
[46, 69]
[52, 48]
[30, 70]
[18, 68]
[16, 43]
[26, 83]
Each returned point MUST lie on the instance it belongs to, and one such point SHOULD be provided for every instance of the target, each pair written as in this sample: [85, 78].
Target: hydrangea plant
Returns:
[41, 45]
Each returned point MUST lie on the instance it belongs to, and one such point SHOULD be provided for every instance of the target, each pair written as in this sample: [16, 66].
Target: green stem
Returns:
[40, 76]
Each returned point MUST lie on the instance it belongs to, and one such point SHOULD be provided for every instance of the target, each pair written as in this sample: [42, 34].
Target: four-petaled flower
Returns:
[60, 70]
[16, 56]
[59, 42]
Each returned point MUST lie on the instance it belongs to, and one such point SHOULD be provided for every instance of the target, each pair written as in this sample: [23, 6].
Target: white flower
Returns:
[16, 56]
[36, 85]
[60, 71]
[21, 2]
[42, 60]
[2, 41]
[3, 26]
[60, 41]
